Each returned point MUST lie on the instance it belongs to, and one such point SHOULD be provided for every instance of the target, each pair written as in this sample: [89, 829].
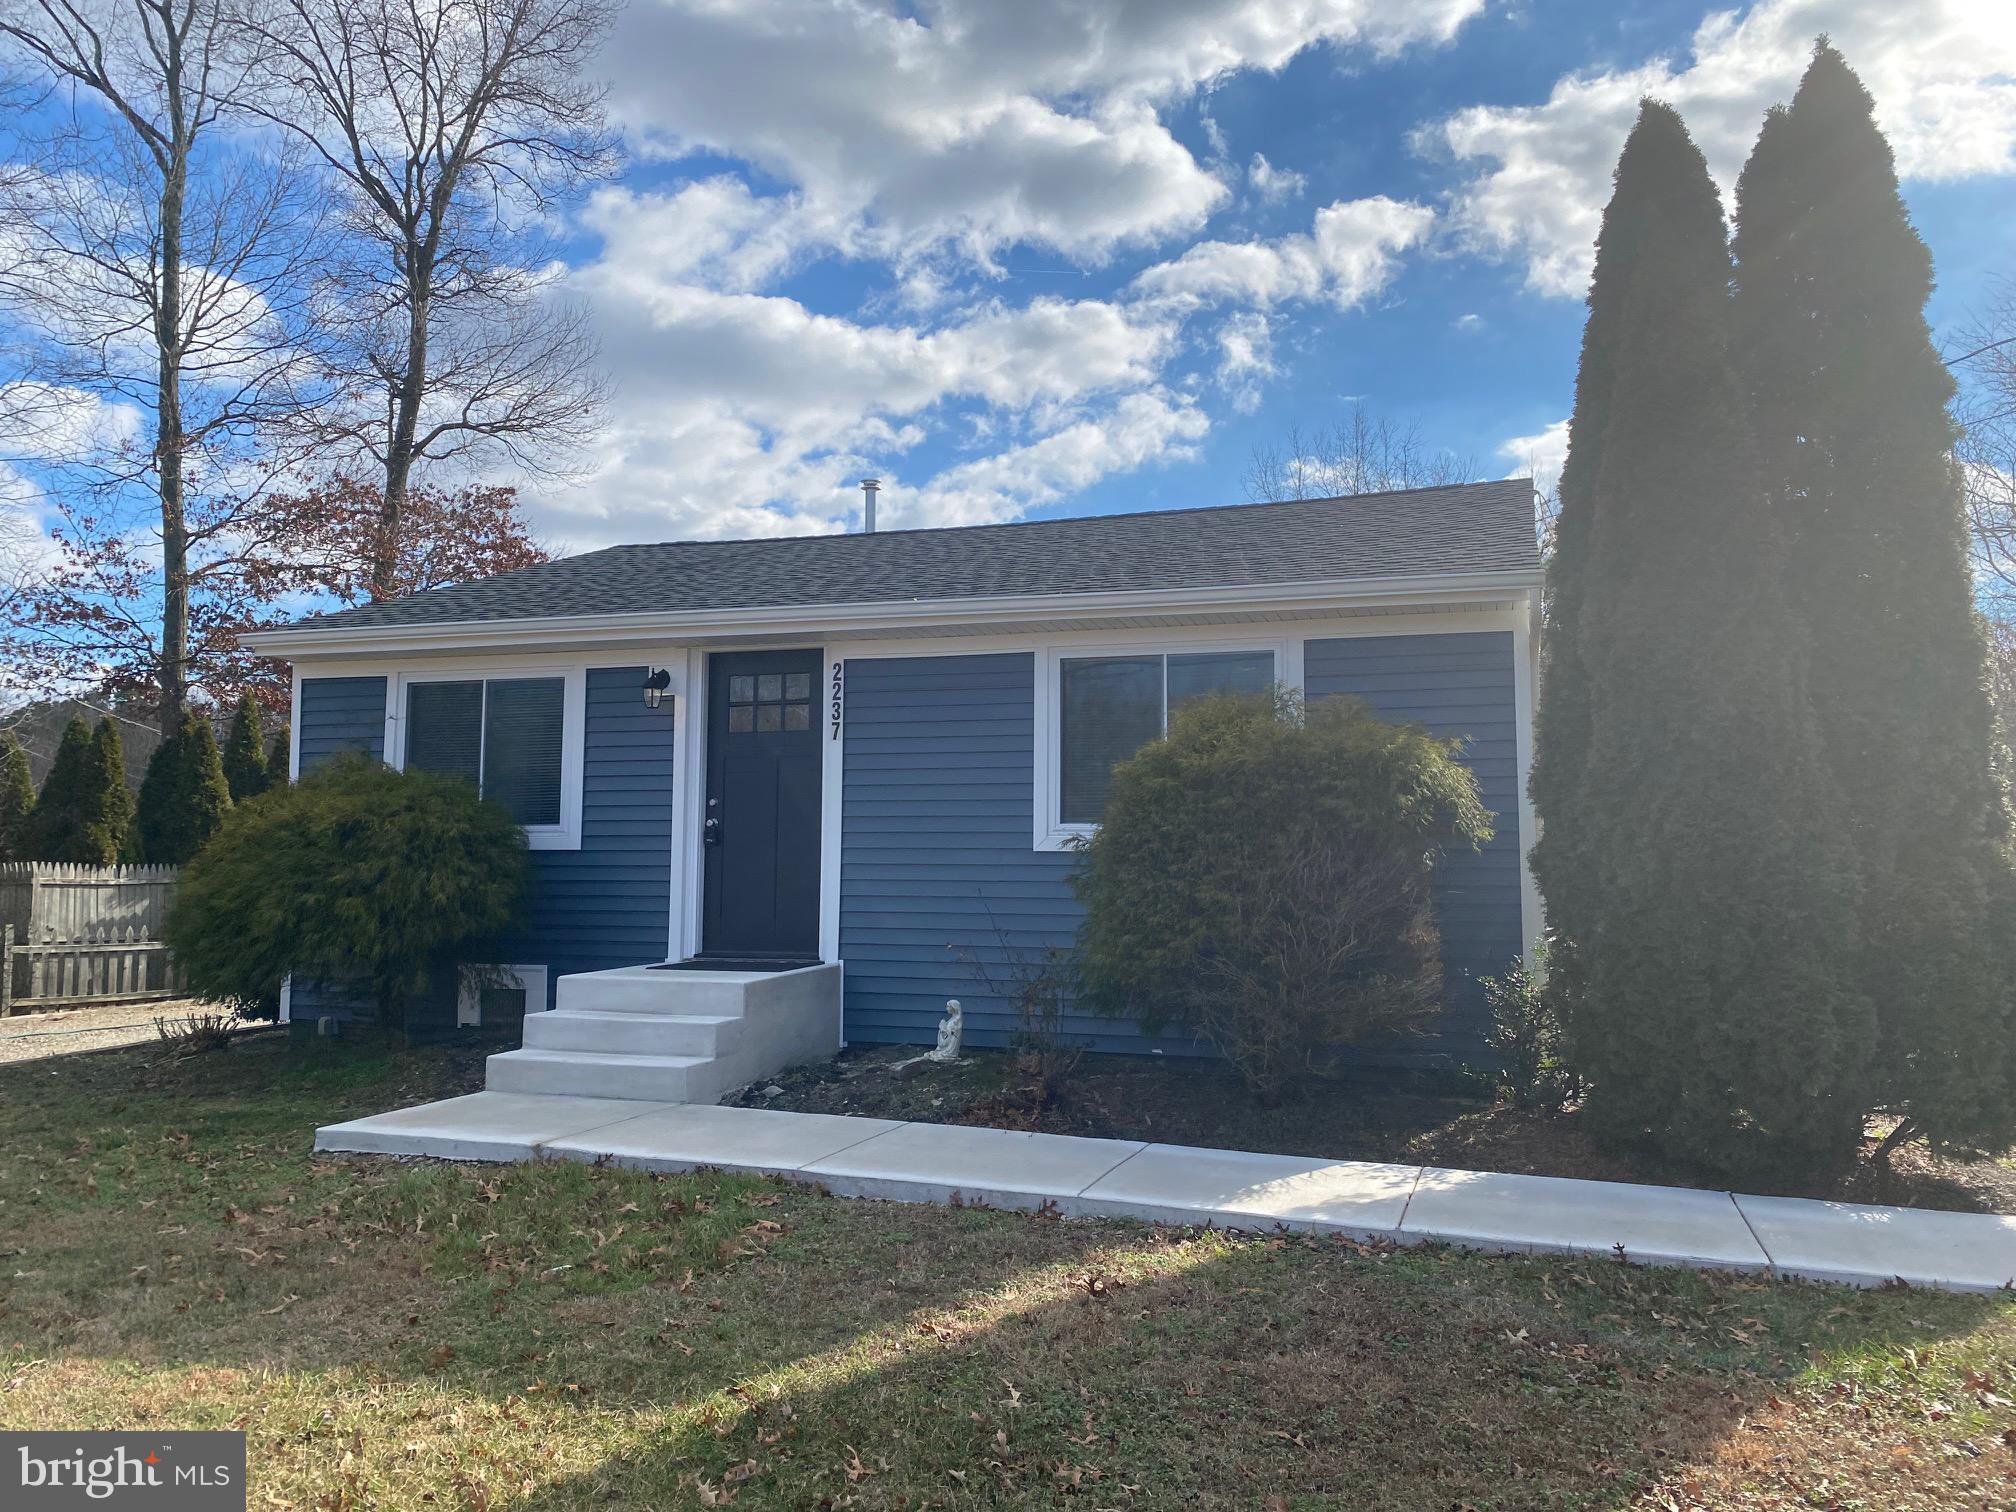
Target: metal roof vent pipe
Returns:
[869, 487]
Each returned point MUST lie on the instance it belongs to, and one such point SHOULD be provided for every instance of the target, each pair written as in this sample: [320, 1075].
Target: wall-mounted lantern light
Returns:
[655, 684]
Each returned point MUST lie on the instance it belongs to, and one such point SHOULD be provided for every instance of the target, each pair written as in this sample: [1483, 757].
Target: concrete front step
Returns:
[581, 1073]
[672, 1036]
[644, 989]
[702, 1034]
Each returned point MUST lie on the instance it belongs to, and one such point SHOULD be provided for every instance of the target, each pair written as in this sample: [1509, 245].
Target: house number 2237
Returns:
[836, 700]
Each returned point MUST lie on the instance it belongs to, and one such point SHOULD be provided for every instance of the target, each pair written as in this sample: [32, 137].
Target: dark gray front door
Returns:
[761, 826]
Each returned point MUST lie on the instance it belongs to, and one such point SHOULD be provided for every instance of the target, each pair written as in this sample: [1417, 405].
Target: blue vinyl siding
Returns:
[938, 790]
[1459, 684]
[341, 714]
[606, 904]
[610, 902]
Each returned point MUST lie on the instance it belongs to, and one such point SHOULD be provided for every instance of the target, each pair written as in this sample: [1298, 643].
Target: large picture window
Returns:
[1109, 706]
[506, 736]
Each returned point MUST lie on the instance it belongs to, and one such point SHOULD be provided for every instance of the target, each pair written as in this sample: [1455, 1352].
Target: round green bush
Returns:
[356, 874]
[1261, 880]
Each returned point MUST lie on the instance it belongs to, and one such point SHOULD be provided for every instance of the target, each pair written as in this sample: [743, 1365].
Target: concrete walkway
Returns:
[911, 1162]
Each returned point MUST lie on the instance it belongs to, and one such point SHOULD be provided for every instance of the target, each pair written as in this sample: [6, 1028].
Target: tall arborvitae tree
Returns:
[1849, 400]
[1713, 900]
[279, 759]
[1562, 862]
[184, 796]
[245, 752]
[17, 799]
[70, 815]
[110, 795]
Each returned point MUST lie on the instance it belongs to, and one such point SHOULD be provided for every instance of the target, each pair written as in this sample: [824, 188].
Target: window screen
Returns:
[503, 736]
[521, 747]
[1111, 706]
[444, 729]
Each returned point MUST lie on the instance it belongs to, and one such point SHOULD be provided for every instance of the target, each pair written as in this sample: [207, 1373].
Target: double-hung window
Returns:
[1104, 706]
[509, 738]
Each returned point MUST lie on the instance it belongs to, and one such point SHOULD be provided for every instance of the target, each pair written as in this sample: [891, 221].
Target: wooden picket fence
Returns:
[116, 966]
[83, 934]
[59, 900]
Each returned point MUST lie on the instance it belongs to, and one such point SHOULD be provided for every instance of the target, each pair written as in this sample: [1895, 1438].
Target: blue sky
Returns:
[1076, 256]
[1056, 258]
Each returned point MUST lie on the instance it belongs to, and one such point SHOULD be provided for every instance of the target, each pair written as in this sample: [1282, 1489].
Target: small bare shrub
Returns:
[198, 1034]
[1038, 983]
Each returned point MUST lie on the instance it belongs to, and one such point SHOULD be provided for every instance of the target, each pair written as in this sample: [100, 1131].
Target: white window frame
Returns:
[564, 836]
[1052, 833]
[469, 989]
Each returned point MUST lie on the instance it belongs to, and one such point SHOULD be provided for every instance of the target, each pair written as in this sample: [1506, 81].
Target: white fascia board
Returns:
[888, 618]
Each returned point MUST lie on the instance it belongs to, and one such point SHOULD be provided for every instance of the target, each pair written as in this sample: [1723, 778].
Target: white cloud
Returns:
[1245, 357]
[42, 422]
[714, 231]
[1273, 184]
[1538, 456]
[967, 123]
[1469, 324]
[1943, 73]
[1350, 254]
[1142, 428]
[930, 139]
[739, 413]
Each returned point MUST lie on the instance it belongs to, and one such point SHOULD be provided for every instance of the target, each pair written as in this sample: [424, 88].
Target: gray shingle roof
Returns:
[1472, 527]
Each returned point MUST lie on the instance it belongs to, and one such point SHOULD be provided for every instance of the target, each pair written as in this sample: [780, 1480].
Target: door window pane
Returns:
[444, 729]
[797, 684]
[741, 690]
[1193, 676]
[521, 749]
[1111, 707]
[741, 719]
[767, 717]
[797, 716]
[769, 686]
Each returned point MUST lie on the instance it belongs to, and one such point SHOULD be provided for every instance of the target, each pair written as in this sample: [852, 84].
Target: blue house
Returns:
[858, 761]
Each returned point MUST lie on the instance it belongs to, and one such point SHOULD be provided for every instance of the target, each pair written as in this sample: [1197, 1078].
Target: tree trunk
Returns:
[168, 446]
[1904, 1133]
[405, 425]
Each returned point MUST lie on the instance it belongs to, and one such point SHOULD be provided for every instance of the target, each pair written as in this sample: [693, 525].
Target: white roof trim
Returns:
[911, 615]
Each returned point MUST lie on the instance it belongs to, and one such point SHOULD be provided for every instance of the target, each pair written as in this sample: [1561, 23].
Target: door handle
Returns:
[710, 832]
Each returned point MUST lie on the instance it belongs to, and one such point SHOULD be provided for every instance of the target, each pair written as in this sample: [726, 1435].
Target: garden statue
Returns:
[951, 1032]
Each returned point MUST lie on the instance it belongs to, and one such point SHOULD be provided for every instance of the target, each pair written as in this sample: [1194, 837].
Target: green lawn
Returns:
[407, 1336]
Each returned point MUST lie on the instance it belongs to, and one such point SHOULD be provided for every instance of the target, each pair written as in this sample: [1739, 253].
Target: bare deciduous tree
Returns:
[155, 270]
[1986, 367]
[454, 126]
[1359, 454]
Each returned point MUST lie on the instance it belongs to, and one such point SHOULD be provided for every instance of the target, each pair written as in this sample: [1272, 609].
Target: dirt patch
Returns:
[1437, 1121]
[70, 1031]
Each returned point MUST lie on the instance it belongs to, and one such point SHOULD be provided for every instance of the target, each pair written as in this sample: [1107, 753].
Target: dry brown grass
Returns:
[411, 1336]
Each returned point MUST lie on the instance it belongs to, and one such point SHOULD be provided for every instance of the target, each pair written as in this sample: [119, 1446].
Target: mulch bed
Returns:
[1408, 1119]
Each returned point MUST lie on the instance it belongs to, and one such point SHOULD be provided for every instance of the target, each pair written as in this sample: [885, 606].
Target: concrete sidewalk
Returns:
[910, 1162]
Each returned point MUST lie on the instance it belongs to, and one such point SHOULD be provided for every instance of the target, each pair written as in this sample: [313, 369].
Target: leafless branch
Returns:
[454, 128]
[1358, 454]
